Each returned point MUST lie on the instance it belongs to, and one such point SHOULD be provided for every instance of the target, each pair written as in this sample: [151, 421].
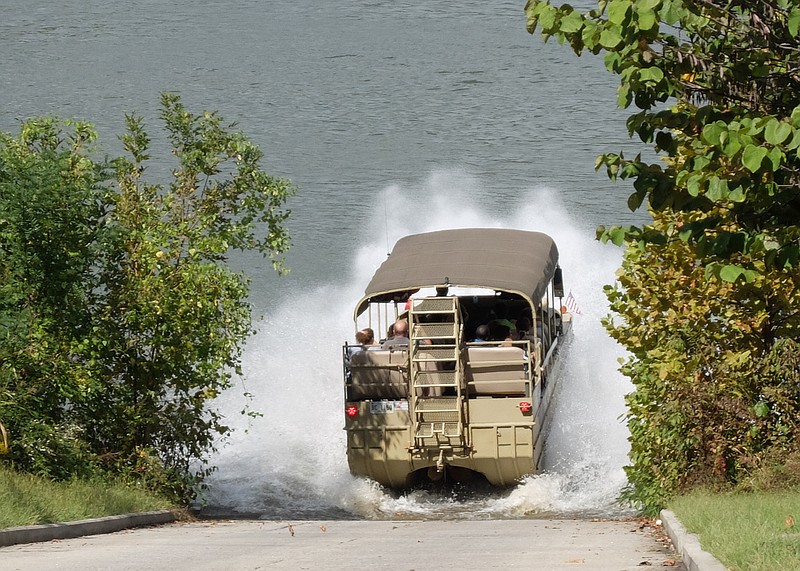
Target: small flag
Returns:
[572, 305]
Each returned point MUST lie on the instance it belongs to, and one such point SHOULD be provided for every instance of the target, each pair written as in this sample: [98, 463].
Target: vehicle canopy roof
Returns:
[513, 261]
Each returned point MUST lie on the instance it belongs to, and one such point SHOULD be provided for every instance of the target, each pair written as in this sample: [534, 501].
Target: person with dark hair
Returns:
[501, 313]
[481, 333]
[524, 329]
[499, 331]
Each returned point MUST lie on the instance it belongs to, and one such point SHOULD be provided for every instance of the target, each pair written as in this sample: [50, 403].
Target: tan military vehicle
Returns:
[450, 401]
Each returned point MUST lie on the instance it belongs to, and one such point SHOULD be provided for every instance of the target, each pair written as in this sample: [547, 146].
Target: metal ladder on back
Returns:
[437, 395]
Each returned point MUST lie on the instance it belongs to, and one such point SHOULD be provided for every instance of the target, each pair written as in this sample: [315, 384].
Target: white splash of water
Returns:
[292, 463]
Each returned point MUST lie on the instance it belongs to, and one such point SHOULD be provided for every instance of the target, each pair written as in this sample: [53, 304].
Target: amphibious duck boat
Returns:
[449, 402]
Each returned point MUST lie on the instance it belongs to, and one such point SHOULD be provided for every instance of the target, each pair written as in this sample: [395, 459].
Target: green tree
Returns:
[122, 329]
[49, 214]
[707, 292]
[173, 313]
[710, 405]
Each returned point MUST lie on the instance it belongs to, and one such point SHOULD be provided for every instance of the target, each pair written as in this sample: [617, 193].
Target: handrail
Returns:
[550, 352]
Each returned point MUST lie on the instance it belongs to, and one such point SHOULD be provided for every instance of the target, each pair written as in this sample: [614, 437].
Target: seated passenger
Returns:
[524, 329]
[366, 338]
[399, 334]
[501, 313]
[481, 333]
[500, 332]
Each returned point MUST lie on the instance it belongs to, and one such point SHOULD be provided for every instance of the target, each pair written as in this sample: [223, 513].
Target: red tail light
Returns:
[351, 410]
[525, 407]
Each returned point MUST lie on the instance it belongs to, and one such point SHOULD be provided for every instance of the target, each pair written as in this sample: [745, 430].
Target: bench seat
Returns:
[378, 374]
[497, 371]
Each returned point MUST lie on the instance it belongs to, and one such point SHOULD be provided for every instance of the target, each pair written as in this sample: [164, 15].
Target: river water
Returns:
[392, 117]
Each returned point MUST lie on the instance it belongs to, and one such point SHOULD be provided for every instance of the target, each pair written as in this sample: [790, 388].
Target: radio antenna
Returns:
[386, 222]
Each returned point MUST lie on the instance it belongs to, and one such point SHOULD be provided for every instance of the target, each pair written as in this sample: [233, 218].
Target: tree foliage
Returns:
[707, 292]
[731, 68]
[714, 366]
[120, 319]
[49, 216]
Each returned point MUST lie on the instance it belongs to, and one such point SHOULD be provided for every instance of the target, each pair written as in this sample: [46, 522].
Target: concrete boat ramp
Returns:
[552, 544]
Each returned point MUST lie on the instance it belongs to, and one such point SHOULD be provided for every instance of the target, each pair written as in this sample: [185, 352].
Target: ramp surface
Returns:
[402, 545]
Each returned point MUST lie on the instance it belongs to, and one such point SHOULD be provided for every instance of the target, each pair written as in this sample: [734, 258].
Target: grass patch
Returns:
[29, 500]
[753, 531]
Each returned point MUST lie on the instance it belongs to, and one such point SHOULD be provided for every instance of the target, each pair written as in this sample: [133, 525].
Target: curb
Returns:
[72, 529]
[688, 545]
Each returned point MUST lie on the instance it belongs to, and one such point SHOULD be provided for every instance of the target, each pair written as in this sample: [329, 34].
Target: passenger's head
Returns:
[482, 332]
[523, 324]
[400, 328]
[366, 336]
[498, 331]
